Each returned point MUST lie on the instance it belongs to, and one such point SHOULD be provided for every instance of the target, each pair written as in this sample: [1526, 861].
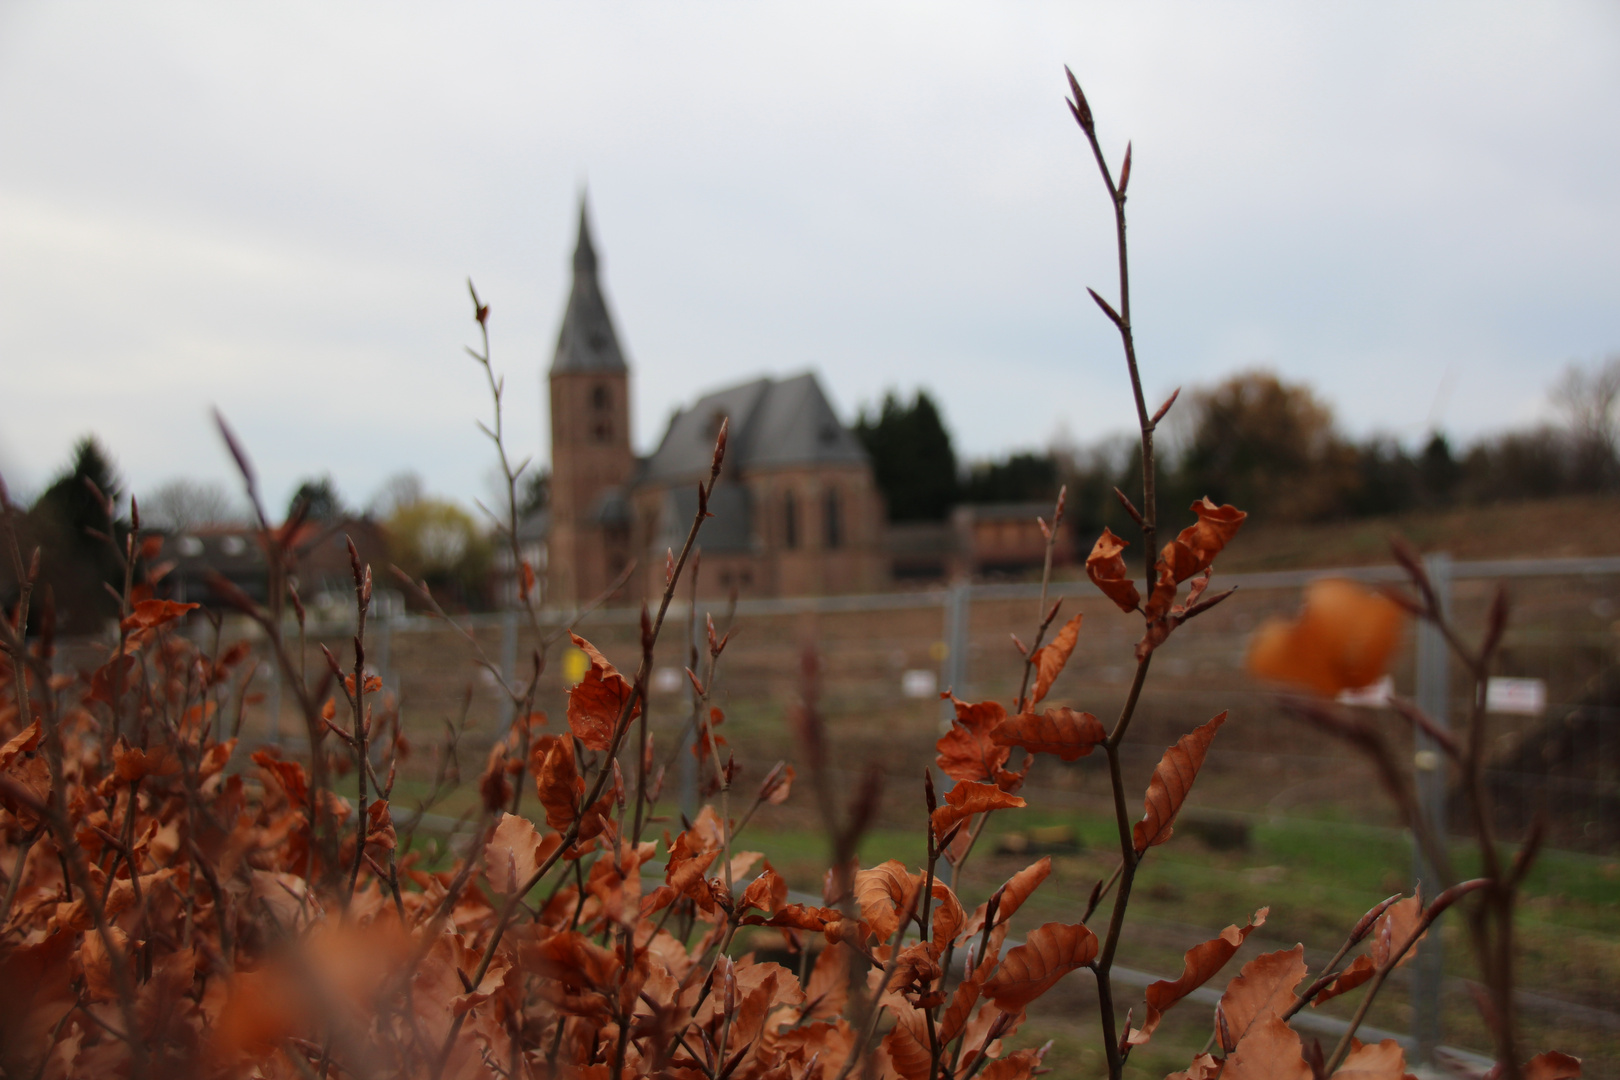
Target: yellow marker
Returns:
[939, 650]
[575, 665]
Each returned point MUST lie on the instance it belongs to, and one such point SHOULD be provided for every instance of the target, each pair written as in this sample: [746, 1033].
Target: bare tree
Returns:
[183, 504]
[1586, 398]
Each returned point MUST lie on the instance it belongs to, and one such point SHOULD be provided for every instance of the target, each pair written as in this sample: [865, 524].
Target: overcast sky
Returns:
[272, 209]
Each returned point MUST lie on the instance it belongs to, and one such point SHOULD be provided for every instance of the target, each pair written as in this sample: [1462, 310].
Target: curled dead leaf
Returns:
[1106, 568]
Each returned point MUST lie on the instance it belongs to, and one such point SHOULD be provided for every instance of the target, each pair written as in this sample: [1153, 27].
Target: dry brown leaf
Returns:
[595, 705]
[1068, 734]
[967, 752]
[1172, 778]
[968, 798]
[1265, 987]
[1552, 1065]
[1049, 659]
[1395, 928]
[884, 894]
[1271, 1051]
[958, 1009]
[1018, 1065]
[1359, 971]
[1050, 952]
[766, 892]
[1203, 1067]
[1373, 1061]
[827, 993]
[1197, 545]
[1107, 571]
[907, 1041]
[558, 781]
[1199, 965]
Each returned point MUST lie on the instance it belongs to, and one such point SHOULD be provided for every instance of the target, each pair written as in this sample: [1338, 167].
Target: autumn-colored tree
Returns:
[1256, 440]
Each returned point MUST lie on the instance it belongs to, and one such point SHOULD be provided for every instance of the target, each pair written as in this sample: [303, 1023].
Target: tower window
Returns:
[599, 397]
[832, 518]
[790, 520]
[602, 431]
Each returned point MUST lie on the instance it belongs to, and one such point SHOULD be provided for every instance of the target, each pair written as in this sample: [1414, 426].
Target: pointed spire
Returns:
[587, 341]
[584, 250]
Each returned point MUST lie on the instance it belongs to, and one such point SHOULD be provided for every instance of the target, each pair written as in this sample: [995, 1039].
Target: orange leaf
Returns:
[1199, 965]
[1265, 987]
[828, 990]
[907, 1042]
[1552, 1066]
[955, 1017]
[968, 798]
[803, 917]
[150, 613]
[1272, 1051]
[1013, 894]
[1203, 1067]
[1195, 549]
[597, 703]
[1018, 1065]
[133, 764]
[1068, 734]
[558, 782]
[946, 917]
[1374, 1061]
[1342, 640]
[1107, 571]
[1050, 658]
[884, 894]
[1353, 976]
[1172, 778]
[967, 752]
[766, 892]
[515, 851]
[1050, 952]
[1394, 928]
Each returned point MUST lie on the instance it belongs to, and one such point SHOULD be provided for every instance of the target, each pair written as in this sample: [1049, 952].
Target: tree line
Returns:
[1266, 444]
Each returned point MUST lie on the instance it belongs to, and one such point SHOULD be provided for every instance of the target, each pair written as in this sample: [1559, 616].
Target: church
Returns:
[796, 511]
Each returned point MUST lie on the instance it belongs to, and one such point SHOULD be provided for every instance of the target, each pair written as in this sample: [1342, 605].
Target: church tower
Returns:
[591, 460]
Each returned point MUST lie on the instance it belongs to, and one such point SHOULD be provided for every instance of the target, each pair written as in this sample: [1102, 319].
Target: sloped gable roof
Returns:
[774, 424]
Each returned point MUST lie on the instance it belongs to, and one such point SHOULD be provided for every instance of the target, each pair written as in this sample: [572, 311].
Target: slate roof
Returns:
[774, 423]
[587, 341]
[729, 531]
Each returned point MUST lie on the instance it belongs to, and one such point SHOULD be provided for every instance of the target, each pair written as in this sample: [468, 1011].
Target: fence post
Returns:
[958, 601]
[509, 636]
[1433, 697]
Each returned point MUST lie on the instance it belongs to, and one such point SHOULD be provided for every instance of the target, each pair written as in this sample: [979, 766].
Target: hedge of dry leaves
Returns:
[176, 906]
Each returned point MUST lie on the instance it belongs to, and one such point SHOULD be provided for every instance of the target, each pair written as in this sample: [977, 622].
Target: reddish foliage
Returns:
[1172, 778]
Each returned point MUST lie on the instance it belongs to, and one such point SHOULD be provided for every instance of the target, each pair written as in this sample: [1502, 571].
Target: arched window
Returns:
[599, 397]
[832, 518]
[790, 520]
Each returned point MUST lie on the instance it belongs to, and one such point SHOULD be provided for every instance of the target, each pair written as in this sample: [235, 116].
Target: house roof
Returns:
[774, 423]
[729, 530]
[587, 341]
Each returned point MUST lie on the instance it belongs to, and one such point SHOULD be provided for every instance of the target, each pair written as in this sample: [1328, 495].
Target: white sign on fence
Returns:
[1372, 696]
[1527, 697]
[919, 683]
